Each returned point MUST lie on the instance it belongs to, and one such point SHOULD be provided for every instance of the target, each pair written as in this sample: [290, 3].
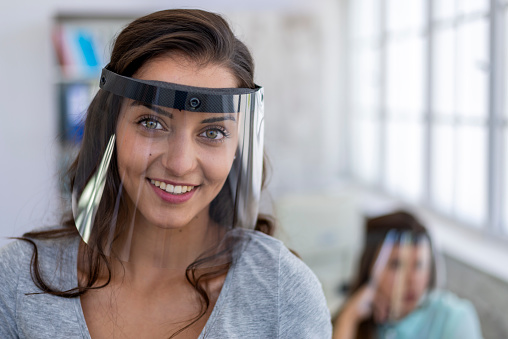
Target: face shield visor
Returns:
[401, 274]
[167, 173]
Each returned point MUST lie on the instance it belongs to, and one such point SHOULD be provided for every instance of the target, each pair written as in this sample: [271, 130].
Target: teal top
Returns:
[441, 315]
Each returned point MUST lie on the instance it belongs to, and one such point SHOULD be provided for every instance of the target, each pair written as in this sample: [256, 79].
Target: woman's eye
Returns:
[395, 264]
[151, 124]
[420, 265]
[213, 134]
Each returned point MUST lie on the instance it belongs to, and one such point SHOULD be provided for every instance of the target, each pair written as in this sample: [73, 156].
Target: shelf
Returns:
[81, 44]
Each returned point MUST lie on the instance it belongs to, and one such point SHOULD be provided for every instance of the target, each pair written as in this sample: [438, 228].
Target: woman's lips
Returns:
[170, 188]
[180, 194]
[410, 297]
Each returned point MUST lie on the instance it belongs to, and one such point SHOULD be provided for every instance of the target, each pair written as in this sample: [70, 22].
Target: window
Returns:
[428, 81]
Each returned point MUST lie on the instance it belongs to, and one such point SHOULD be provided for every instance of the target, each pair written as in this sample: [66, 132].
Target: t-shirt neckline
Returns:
[206, 329]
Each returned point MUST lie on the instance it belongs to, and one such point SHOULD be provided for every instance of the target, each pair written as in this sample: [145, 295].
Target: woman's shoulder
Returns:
[23, 309]
[14, 255]
[270, 252]
[14, 266]
[450, 302]
[52, 253]
[302, 307]
[263, 244]
[458, 314]
[44, 242]
[270, 285]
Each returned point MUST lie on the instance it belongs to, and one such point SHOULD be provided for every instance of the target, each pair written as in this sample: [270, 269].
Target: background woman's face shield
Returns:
[401, 275]
[179, 170]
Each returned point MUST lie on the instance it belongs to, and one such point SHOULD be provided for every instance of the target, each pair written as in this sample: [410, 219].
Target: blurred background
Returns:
[371, 105]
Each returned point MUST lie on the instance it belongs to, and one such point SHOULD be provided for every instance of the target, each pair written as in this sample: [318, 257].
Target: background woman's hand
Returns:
[380, 307]
[360, 305]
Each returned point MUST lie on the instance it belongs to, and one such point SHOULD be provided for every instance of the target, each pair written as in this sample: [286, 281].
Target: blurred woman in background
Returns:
[394, 293]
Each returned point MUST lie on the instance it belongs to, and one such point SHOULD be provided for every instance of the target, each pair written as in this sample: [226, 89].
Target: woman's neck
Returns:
[144, 245]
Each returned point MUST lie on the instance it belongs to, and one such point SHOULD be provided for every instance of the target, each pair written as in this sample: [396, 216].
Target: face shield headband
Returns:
[237, 202]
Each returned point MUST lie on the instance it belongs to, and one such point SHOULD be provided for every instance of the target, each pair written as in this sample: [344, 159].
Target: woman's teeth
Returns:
[171, 188]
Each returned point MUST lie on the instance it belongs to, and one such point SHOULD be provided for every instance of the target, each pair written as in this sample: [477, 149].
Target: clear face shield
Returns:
[168, 174]
[400, 276]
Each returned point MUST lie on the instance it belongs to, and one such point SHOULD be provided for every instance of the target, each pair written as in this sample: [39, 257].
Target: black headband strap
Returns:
[188, 98]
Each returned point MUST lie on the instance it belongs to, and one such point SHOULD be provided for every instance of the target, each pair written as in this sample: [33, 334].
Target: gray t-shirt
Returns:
[268, 293]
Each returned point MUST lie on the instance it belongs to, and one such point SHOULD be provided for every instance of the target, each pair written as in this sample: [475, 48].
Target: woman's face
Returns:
[405, 278]
[174, 163]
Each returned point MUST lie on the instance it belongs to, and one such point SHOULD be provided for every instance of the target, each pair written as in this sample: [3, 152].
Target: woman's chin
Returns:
[171, 225]
[177, 222]
[408, 308]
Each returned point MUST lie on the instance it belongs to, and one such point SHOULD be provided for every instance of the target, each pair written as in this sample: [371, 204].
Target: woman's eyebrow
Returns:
[221, 118]
[156, 109]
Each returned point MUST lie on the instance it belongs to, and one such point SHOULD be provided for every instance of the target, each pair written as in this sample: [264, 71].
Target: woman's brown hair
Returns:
[200, 36]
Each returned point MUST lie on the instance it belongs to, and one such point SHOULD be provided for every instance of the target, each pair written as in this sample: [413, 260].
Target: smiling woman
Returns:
[165, 238]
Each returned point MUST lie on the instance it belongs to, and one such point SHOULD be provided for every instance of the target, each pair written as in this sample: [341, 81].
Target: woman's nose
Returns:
[180, 156]
[412, 276]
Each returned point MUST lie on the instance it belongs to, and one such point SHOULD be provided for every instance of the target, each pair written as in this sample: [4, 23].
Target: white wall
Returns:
[296, 45]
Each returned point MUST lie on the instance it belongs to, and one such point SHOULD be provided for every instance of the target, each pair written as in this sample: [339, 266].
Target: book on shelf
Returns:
[81, 50]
